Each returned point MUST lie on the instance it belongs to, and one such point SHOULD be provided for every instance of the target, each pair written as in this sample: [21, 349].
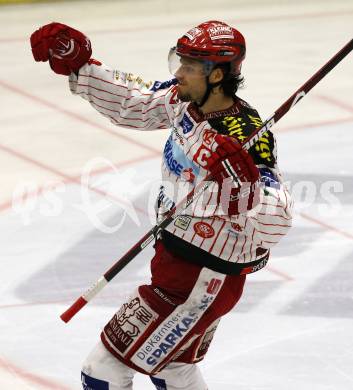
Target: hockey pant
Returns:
[167, 327]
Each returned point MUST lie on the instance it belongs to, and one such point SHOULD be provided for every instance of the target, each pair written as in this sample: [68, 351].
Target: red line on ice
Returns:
[335, 102]
[8, 204]
[279, 273]
[75, 116]
[55, 171]
[29, 377]
[305, 126]
[327, 226]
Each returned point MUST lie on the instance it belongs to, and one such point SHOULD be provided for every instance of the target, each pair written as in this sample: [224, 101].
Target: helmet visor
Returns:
[190, 67]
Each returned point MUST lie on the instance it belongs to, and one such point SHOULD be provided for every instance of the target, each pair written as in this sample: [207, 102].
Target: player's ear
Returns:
[216, 75]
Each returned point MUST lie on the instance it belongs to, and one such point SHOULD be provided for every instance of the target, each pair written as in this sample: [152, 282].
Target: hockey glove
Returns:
[237, 176]
[66, 48]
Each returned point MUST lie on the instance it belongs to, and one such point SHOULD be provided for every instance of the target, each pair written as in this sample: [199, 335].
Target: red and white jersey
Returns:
[130, 102]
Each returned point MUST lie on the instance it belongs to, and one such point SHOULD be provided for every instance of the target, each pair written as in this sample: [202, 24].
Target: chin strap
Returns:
[207, 94]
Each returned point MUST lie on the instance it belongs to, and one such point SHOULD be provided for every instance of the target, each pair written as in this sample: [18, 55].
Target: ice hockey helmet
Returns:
[215, 42]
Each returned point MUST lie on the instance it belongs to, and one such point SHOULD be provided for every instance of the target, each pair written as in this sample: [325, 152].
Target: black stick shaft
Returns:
[298, 95]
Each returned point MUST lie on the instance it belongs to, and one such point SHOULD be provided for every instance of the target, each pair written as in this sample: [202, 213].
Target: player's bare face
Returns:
[191, 80]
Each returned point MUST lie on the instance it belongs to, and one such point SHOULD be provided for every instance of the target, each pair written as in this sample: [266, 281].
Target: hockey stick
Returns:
[201, 187]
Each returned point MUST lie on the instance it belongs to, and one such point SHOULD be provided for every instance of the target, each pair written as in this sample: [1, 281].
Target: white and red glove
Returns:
[237, 176]
[65, 48]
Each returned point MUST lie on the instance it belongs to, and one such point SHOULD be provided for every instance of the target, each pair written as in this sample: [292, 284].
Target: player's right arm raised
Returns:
[126, 100]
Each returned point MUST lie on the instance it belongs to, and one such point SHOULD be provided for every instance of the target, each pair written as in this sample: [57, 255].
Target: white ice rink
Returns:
[293, 328]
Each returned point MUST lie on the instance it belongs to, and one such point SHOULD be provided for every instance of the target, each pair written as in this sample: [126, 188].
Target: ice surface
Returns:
[293, 327]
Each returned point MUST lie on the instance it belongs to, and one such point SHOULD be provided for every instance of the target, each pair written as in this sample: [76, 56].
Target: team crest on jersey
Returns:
[186, 124]
[204, 230]
[205, 150]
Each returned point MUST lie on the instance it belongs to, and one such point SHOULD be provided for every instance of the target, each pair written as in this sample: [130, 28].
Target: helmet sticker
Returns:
[193, 33]
[221, 32]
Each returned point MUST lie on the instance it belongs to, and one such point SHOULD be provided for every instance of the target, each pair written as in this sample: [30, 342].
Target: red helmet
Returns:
[214, 41]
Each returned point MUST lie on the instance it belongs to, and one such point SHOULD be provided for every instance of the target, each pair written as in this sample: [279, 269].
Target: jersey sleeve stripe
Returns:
[117, 111]
[114, 84]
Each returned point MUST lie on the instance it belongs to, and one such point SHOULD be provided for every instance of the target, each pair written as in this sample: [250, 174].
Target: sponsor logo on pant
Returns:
[169, 334]
[127, 323]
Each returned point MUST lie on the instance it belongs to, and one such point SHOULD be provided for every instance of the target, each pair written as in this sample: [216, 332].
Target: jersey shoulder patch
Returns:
[158, 85]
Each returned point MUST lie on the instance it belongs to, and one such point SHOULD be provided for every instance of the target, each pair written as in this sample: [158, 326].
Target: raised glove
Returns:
[237, 176]
[65, 48]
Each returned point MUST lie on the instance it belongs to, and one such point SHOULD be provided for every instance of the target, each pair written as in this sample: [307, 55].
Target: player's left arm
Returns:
[272, 216]
[255, 191]
[249, 182]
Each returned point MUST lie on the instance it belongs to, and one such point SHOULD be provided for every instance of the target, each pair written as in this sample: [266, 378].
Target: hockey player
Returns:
[202, 258]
